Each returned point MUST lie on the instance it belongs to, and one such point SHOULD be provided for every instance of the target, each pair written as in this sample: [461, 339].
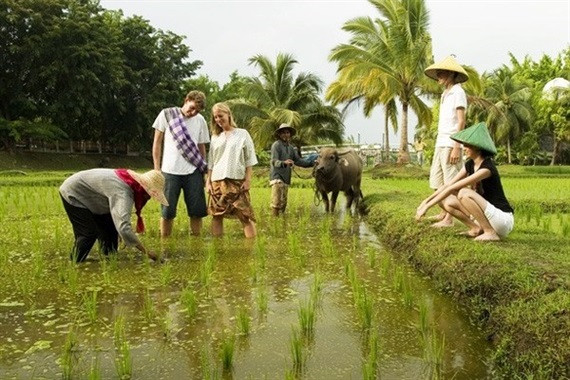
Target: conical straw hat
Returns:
[153, 183]
[478, 136]
[449, 64]
[283, 127]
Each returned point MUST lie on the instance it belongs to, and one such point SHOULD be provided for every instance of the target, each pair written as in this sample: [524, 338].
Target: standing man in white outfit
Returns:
[448, 159]
[184, 133]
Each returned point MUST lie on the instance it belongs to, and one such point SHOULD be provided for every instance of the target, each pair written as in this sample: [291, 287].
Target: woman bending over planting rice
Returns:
[99, 202]
[475, 195]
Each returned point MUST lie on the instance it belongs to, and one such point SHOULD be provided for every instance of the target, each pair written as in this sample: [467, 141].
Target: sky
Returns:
[224, 34]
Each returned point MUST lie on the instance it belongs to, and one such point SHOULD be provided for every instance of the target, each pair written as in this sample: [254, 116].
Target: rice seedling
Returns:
[365, 307]
[326, 224]
[566, 228]
[90, 305]
[355, 247]
[423, 320]
[254, 273]
[105, 270]
[227, 351]
[371, 255]
[398, 279]
[69, 275]
[370, 364]
[327, 245]
[294, 248]
[165, 274]
[407, 295]
[207, 269]
[56, 234]
[290, 375]
[243, 321]
[350, 273]
[262, 299]
[167, 326]
[95, 370]
[112, 258]
[189, 301]
[316, 288]
[69, 359]
[547, 223]
[38, 264]
[433, 355]
[149, 310]
[298, 351]
[385, 265]
[260, 251]
[123, 360]
[207, 367]
[307, 317]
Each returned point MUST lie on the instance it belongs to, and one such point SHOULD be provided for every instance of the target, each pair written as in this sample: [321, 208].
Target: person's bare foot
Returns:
[442, 224]
[488, 237]
[437, 218]
[471, 233]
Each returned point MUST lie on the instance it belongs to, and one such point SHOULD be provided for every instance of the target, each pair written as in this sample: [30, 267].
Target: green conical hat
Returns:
[478, 136]
[449, 64]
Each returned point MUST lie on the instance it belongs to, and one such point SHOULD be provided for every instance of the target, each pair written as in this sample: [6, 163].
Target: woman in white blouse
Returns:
[230, 162]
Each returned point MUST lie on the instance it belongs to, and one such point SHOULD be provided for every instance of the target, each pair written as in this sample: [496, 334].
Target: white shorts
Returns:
[502, 222]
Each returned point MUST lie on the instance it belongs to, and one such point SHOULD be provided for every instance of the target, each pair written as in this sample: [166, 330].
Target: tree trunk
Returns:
[555, 150]
[70, 146]
[404, 154]
[509, 157]
[386, 130]
[9, 145]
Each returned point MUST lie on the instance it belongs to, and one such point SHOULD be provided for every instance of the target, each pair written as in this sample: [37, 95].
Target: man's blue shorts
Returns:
[194, 196]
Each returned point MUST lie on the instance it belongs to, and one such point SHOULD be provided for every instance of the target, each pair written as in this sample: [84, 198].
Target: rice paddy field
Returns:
[314, 296]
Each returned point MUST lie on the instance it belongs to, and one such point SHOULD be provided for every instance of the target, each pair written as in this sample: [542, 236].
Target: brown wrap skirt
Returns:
[230, 201]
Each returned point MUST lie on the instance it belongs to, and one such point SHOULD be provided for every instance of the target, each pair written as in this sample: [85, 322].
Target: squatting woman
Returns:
[475, 195]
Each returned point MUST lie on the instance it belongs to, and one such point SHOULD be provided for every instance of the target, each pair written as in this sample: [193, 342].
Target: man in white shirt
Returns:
[184, 133]
[447, 159]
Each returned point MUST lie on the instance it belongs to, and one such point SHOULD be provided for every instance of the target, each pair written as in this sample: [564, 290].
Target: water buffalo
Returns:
[336, 171]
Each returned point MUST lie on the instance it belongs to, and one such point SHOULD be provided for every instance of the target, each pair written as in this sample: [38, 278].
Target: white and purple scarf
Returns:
[186, 146]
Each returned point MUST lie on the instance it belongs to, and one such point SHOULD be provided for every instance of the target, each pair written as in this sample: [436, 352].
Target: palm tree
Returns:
[353, 91]
[387, 58]
[276, 96]
[511, 113]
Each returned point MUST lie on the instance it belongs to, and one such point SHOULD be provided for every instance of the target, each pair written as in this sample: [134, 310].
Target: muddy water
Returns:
[229, 277]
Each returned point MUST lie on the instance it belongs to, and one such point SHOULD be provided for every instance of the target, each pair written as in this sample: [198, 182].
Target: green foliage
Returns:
[276, 96]
[384, 60]
[92, 73]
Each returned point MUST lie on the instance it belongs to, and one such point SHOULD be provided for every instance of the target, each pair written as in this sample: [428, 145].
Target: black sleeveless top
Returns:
[490, 188]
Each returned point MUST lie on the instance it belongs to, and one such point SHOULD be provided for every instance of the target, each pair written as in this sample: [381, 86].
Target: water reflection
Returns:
[265, 280]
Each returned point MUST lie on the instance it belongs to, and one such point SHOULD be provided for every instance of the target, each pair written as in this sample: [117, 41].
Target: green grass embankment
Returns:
[517, 289]
[37, 161]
